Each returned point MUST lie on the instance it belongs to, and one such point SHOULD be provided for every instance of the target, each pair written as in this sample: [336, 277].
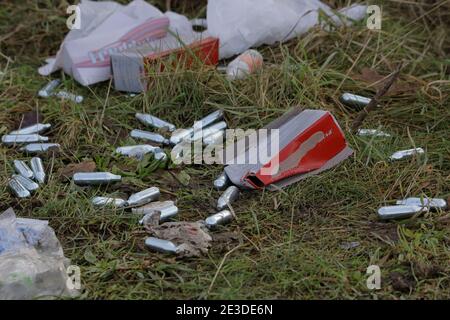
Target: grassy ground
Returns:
[283, 245]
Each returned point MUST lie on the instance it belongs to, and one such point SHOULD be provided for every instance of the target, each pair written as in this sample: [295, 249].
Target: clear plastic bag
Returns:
[32, 262]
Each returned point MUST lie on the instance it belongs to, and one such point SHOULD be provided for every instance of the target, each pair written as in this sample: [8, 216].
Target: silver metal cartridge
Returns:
[207, 131]
[209, 119]
[149, 136]
[144, 197]
[154, 122]
[95, 178]
[47, 91]
[36, 148]
[222, 182]
[108, 202]
[22, 168]
[215, 138]
[220, 218]
[179, 135]
[165, 213]
[398, 212]
[160, 245]
[406, 153]
[433, 203]
[372, 133]
[70, 96]
[228, 196]
[29, 184]
[38, 169]
[35, 128]
[11, 139]
[19, 190]
[354, 100]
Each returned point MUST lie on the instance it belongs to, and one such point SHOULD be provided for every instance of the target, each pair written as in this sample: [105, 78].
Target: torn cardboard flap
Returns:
[308, 142]
[130, 68]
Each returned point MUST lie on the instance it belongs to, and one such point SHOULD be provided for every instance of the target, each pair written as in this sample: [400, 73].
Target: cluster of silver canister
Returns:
[222, 217]
[404, 208]
[209, 130]
[30, 139]
[50, 91]
[27, 179]
[145, 203]
[140, 150]
[357, 101]
[410, 207]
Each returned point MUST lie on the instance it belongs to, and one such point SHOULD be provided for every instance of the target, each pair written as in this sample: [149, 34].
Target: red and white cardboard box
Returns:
[131, 68]
[309, 142]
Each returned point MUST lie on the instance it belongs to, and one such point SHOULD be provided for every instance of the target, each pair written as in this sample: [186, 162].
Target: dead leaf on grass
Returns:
[191, 237]
[377, 81]
[71, 169]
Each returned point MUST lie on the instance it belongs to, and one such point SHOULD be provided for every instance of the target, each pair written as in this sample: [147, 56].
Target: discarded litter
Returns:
[160, 155]
[214, 138]
[241, 25]
[108, 202]
[138, 151]
[399, 155]
[27, 183]
[309, 142]
[152, 207]
[210, 119]
[220, 218]
[133, 69]
[207, 131]
[160, 215]
[149, 136]
[95, 178]
[246, 63]
[349, 245]
[11, 139]
[155, 122]
[70, 96]
[354, 100]
[32, 262]
[85, 53]
[230, 195]
[33, 129]
[37, 148]
[21, 184]
[221, 182]
[49, 88]
[372, 132]
[178, 135]
[22, 168]
[38, 169]
[144, 197]
[30, 135]
[190, 238]
[399, 212]
[160, 245]
[186, 134]
[19, 190]
[432, 203]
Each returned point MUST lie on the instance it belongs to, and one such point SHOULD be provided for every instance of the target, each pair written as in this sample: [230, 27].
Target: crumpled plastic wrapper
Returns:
[192, 238]
[32, 262]
[244, 24]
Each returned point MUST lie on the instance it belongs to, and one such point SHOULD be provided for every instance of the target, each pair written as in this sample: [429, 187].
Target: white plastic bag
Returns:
[243, 24]
[106, 27]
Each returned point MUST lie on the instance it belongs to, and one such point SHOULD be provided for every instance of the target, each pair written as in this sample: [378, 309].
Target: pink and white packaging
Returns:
[106, 27]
